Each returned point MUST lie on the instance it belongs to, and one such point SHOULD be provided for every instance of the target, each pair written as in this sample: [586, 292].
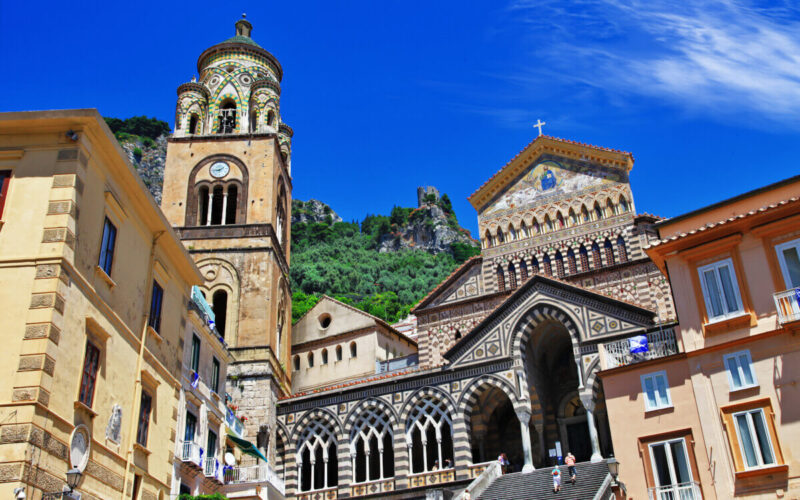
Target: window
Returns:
[191, 427]
[211, 445]
[754, 439]
[584, 259]
[296, 363]
[512, 235]
[671, 469]
[353, 350]
[137, 486]
[195, 353]
[572, 266]
[512, 276]
[740, 370]
[156, 299]
[721, 294]
[317, 464]
[91, 362]
[144, 418]
[193, 124]
[215, 375]
[338, 353]
[596, 264]
[219, 305]
[429, 435]
[656, 391]
[311, 360]
[523, 270]
[227, 117]
[559, 264]
[789, 259]
[621, 249]
[373, 442]
[5, 178]
[548, 268]
[500, 237]
[324, 356]
[609, 253]
[107, 246]
[501, 279]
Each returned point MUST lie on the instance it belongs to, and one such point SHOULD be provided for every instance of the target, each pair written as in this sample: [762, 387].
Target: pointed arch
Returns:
[560, 221]
[609, 251]
[548, 223]
[534, 265]
[523, 270]
[622, 251]
[512, 276]
[501, 279]
[623, 205]
[429, 433]
[572, 267]
[500, 237]
[537, 229]
[512, 234]
[487, 239]
[573, 218]
[548, 268]
[584, 214]
[523, 230]
[584, 254]
[371, 426]
[317, 459]
[610, 208]
[559, 264]
[598, 212]
[596, 262]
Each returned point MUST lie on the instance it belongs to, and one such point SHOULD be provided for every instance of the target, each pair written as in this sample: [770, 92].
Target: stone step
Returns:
[539, 484]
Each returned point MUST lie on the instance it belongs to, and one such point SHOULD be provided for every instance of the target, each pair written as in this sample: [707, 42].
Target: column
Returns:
[210, 200]
[524, 417]
[224, 204]
[588, 403]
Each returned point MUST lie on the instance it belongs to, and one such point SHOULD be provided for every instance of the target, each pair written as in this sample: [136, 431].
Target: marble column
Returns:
[210, 204]
[524, 418]
[224, 205]
[589, 404]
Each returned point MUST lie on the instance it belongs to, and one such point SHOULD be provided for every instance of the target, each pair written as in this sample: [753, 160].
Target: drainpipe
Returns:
[137, 384]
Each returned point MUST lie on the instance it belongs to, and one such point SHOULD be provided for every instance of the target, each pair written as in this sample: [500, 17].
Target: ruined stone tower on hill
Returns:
[227, 190]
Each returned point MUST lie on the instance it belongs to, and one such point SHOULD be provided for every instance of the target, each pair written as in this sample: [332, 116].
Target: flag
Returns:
[638, 344]
[195, 380]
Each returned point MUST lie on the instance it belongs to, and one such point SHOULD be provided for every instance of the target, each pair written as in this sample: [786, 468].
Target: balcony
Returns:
[254, 474]
[190, 453]
[788, 305]
[631, 350]
[199, 305]
[212, 469]
[682, 491]
[396, 364]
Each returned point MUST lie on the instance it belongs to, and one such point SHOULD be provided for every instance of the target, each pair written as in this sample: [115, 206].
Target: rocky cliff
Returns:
[313, 211]
[148, 157]
[428, 228]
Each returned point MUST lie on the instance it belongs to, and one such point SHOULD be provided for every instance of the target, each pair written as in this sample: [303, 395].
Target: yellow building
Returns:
[94, 287]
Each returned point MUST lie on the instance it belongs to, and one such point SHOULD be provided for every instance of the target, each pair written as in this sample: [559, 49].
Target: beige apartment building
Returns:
[94, 287]
[717, 416]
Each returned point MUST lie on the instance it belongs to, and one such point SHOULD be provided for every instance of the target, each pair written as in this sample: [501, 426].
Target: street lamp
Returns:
[73, 478]
[613, 467]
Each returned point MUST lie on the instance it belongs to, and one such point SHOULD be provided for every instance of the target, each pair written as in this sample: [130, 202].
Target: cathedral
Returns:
[505, 355]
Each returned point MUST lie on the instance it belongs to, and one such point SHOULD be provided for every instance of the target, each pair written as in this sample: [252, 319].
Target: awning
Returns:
[247, 447]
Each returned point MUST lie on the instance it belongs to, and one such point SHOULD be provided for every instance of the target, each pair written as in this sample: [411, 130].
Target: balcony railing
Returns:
[200, 306]
[659, 344]
[788, 305]
[682, 491]
[254, 474]
[190, 452]
[212, 468]
[395, 364]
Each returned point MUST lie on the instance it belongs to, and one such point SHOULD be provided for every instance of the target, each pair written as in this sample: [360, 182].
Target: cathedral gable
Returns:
[464, 283]
[549, 179]
[590, 317]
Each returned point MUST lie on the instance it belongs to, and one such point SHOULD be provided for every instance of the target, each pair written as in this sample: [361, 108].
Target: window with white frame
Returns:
[740, 370]
[671, 470]
[429, 436]
[656, 391]
[754, 439]
[317, 466]
[720, 291]
[371, 446]
[789, 259]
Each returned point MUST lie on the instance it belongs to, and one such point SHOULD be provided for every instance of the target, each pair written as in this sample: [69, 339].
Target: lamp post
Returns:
[73, 478]
[616, 486]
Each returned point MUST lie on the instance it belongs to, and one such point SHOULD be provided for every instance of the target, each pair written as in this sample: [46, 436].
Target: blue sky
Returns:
[387, 95]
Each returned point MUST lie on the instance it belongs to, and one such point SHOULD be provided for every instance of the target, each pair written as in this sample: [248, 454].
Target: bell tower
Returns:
[227, 191]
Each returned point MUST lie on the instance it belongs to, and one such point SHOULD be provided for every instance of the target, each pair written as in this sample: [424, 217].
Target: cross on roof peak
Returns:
[539, 124]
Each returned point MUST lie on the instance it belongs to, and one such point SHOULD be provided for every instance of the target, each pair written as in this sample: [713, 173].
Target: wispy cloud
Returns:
[717, 57]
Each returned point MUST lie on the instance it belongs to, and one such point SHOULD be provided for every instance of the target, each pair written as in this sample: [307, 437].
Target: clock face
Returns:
[220, 169]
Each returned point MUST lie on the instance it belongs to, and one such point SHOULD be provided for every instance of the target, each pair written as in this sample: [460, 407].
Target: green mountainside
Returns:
[383, 265]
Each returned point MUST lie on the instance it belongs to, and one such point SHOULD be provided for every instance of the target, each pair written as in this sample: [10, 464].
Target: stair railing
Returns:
[480, 483]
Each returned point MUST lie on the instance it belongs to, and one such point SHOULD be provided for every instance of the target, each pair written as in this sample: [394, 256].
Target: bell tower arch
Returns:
[227, 191]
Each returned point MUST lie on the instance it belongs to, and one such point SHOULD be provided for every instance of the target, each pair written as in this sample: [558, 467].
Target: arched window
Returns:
[193, 121]
[584, 214]
[310, 358]
[216, 206]
[280, 219]
[572, 266]
[623, 205]
[501, 279]
[548, 224]
[596, 264]
[254, 121]
[372, 446]
[338, 353]
[271, 118]
[523, 230]
[284, 156]
[279, 328]
[535, 265]
[512, 276]
[317, 465]
[610, 210]
[523, 270]
[536, 227]
[500, 238]
[598, 212]
[429, 435]
[621, 250]
[573, 218]
[203, 201]
[296, 362]
[548, 268]
[512, 235]
[219, 303]
[230, 201]
[227, 117]
[487, 239]
[324, 356]
[609, 251]
[559, 264]
[353, 350]
[584, 259]
[560, 221]
[458, 334]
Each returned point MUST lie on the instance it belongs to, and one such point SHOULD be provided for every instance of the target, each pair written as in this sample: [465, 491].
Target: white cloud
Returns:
[722, 57]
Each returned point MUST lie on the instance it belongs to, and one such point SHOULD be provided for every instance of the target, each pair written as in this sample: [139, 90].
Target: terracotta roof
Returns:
[565, 141]
[654, 216]
[711, 225]
[447, 281]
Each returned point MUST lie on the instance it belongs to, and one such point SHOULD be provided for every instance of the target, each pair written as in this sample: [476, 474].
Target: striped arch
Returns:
[531, 319]
[424, 392]
[316, 413]
[471, 394]
[281, 452]
[351, 417]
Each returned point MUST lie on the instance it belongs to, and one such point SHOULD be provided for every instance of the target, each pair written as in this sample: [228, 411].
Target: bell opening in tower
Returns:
[227, 117]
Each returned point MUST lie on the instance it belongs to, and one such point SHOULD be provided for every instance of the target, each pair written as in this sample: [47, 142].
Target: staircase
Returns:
[539, 484]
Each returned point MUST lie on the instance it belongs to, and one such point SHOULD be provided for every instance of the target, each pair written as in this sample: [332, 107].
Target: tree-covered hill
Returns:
[347, 261]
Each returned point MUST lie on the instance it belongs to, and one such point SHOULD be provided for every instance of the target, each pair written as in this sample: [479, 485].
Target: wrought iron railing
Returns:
[190, 452]
[212, 468]
[682, 491]
[659, 344]
[787, 303]
[396, 364]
